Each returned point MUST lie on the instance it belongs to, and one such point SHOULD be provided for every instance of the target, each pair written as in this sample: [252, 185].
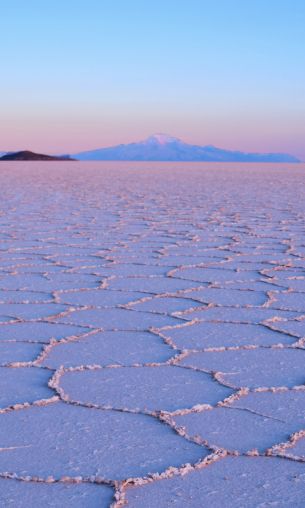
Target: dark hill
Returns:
[26, 155]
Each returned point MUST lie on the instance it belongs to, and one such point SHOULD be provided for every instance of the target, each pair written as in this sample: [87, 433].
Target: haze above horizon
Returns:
[78, 76]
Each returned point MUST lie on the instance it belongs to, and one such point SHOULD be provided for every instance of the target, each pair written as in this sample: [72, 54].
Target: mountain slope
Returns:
[161, 147]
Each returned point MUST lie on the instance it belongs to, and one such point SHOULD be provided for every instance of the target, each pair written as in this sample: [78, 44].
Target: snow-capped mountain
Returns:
[162, 147]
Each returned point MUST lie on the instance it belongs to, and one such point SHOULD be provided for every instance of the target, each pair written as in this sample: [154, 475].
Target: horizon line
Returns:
[170, 138]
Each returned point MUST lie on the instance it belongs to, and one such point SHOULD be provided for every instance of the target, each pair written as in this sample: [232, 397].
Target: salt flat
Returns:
[152, 335]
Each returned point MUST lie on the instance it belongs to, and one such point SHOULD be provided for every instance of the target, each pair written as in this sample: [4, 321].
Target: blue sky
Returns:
[85, 74]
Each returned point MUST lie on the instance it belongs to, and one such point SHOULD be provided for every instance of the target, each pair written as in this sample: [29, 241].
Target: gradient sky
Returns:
[82, 74]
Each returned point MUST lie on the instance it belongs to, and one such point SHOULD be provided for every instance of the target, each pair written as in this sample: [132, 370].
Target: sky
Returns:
[84, 74]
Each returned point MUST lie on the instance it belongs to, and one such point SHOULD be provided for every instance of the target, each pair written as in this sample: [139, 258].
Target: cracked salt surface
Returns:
[253, 367]
[202, 335]
[108, 348]
[60, 440]
[99, 298]
[118, 319]
[239, 482]
[251, 315]
[167, 388]
[20, 494]
[11, 352]
[234, 297]
[23, 384]
[152, 342]
[39, 331]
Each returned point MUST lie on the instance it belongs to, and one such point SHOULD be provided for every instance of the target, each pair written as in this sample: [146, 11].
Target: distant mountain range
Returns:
[26, 155]
[161, 147]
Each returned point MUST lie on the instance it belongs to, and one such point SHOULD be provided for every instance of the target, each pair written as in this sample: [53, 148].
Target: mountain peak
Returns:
[162, 139]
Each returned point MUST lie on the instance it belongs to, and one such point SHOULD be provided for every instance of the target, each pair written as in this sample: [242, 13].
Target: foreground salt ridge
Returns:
[202, 288]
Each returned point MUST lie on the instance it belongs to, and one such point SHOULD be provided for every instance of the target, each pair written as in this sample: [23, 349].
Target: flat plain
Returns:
[152, 335]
